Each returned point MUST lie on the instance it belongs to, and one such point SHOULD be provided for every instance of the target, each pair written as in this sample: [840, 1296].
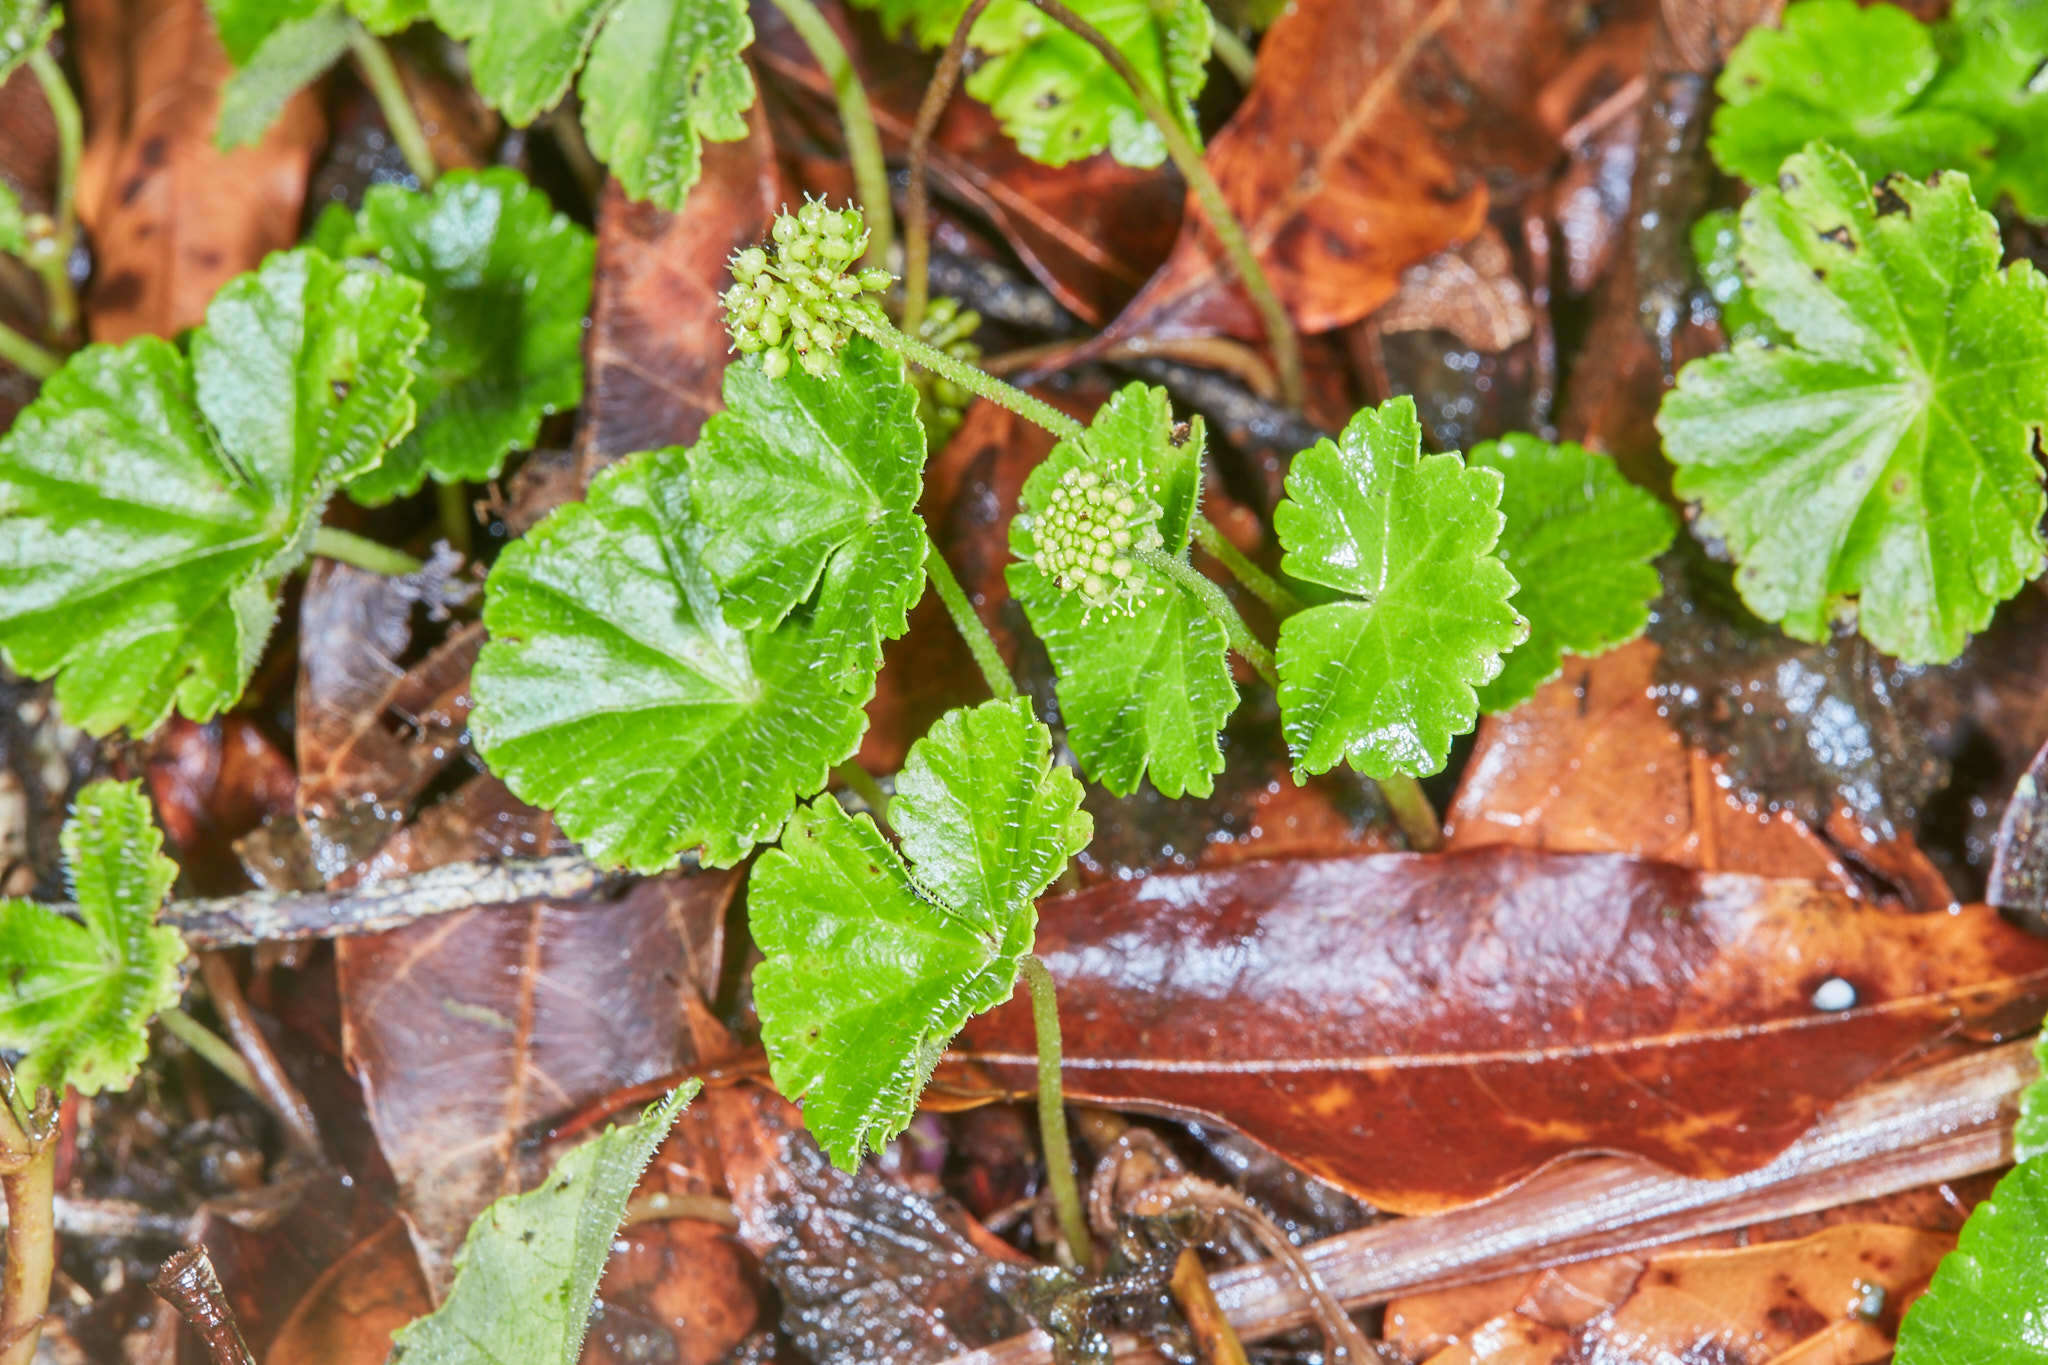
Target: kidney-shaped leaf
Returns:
[1425, 1030]
[613, 692]
[150, 504]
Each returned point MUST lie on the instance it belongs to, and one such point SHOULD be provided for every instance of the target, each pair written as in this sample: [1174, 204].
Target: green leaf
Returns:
[149, 504]
[2030, 1133]
[614, 693]
[293, 55]
[1384, 678]
[528, 1271]
[388, 16]
[507, 286]
[1144, 690]
[1885, 457]
[807, 488]
[1988, 1301]
[13, 224]
[662, 76]
[1840, 73]
[1992, 54]
[931, 22]
[80, 993]
[244, 25]
[870, 968]
[1060, 102]
[25, 25]
[1579, 539]
[1716, 239]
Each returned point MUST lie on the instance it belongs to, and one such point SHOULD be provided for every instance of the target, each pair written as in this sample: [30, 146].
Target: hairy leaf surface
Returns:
[1384, 678]
[1578, 538]
[874, 964]
[614, 693]
[1884, 458]
[290, 56]
[808, 487]
[528, 1271]
[507, 284]
[1142, 692]
[80, 993]
[149, 504]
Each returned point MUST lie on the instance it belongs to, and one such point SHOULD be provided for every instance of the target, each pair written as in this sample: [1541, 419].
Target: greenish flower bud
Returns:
[1089, 534]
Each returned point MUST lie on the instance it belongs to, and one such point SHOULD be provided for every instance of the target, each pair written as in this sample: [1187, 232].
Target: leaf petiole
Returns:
[38, 362]
[856, 119]
[1256, 580]
[1413, 812]
[1212, 601]
[332, 542]
[54, 264]
[1052, 1112]
[28, 1176]
[380, 73]
[214, 1049]
[876, 328]
[979, 642]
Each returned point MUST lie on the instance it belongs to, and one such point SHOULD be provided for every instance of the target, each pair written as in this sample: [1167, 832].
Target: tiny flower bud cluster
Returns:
[797, 302]
[1089, 535]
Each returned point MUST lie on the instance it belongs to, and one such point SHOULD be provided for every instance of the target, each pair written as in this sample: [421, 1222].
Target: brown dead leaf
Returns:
[467, 1029]
[171, 217]
[1591, 764]
[1365, 145]
[1470, 291]
[1426, 1030]
[212, 783]
[657, 349]
[349, 1314]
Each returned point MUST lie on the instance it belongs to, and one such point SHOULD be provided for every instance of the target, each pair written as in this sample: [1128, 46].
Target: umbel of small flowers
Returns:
[795, 303]
[1090, 535]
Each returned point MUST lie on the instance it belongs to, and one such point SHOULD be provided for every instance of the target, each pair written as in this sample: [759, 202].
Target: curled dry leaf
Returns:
[349, 1314]
[1426, 1030]
[172, 217]
[658, 346]
[1470, 291]
[1364, 146]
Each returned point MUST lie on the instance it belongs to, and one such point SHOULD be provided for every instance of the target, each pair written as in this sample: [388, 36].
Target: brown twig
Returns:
[188, 1283]
[28, 1176]
[273, 1086]
[1941, 1123]
[917, 210]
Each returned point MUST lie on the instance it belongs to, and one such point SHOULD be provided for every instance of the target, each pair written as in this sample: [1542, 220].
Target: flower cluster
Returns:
[798, 302]
[1089, 535]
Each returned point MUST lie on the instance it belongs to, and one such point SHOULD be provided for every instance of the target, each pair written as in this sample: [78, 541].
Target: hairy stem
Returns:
[38, 362]
[980, 643]
[55, 266]
[1413, 812]
[1235, 54]
[856, 119]
[917, 231]
[1256, 580]
[28, 1178]
[332, 542]
[216, 1050]
[380, 73]
[871, 324]
[1052, 1114]
[1187, 157]
[1211, 600]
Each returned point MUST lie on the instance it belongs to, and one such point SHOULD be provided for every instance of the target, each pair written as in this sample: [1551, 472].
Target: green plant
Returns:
[1871, 455]
[44, 242]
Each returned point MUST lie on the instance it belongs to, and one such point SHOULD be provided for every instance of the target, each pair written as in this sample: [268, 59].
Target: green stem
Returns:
[1210, 599]
[917, 236]
[1256, 580]
[1235, 54]
[373, 60]
[1052, 1113]
[980, 643]
[36, 361]
[55, 266]
[216, 1050]
[334, 543]
[1187, 157]
[856, 119]
[872, 325]
[457, 517]
[1413, 812]
[28, 1178]
[861, 783]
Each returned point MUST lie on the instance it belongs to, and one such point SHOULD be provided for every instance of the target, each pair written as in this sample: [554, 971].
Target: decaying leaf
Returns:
[1424, 1030]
